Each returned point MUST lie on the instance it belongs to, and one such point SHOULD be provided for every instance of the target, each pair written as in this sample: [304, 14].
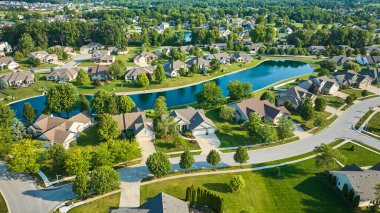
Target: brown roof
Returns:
[135, 121]
[99, 70]
[18, 76]
[83, 117]
[262, 108]
[48, 122]
[6, 60]
[194, 117]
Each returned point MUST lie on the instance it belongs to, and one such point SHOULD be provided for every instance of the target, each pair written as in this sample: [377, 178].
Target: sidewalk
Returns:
[130, 194]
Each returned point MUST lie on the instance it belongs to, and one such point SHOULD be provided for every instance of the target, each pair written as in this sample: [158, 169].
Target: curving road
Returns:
[23, 196]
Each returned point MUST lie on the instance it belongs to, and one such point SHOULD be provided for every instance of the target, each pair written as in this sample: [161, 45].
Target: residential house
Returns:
[186, 48]
[225, 33]
[218, 46]
[88, 48]
[5, 47]
[368, 60]
[172, 68]
[317, 49]
[285, 46]
[370, 49]
[254, 48]
[322, 84]
[137, 124]
[241, 57]
[288, 30]
[361, 181]
[65, 49]
[43, 56]
[144, 57]
[133, 73]
[63, 75]
[19, 78]
[103, 57]
[161, 203]
[296, 95]
[201, 64]
[193, 120]
[163, 26]
[99, 72]
[165, 50]
[373, 74]
[60, 131]
[341, 59]
[346, 47]
[8, 63]
[263, 108]
[223, 58]
[352, 79]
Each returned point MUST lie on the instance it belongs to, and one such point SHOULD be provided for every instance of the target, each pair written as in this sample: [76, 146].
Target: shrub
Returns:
[356, 201]
[237, 183]
[352, 148]
[365, 93]
[97, 83]
[204, 197]
[345, 190]
[351, 195]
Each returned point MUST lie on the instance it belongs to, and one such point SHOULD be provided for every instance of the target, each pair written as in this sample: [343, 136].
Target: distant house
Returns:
[201, 63]
[99, 72]
[65, 49]
[19, 78]
[370, 49]
[43, 56]
[263, 108]
[88, 48]
[346, 47]
[218, 46]
[103, 57]
[254, 48]
[285, 46]
[368, 60]
[352, 79]
[223, 58]
[60, 131]
[144, 57]
[241, 57]
[186, 48]
[63, 75]
[225, 33]
[317, 49]
[5, 47]
[133, 73]
[288, 30]
[165, 50]
[163, 26]
[9, 63]
[322, 84]
[341, 59]
[172, 68]
[137, 124]
[373, 74]
[296, 95]
[362, 181]
[193, 120]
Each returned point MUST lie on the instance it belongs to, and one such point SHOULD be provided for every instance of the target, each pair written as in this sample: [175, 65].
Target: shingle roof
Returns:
[135, 121]
[164, 203]
[18, 76]
[194, 117]
[69, 73]
[199, 62]
[99, 70]
[138, 71]
[6, 60]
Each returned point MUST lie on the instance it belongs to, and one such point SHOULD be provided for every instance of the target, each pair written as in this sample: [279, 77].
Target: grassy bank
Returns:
[99, 206]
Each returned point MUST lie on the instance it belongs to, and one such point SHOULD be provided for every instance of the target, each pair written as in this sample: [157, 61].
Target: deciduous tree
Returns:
[213, 158]
[209, 95]
[285, 128]
[160, 107]
[104, 179]
[238, 90]
[78, 161]
[159, 164]
[61, 98]
[80, 186]
[83, 103]
[142, 80]
[226, 113]
[237, 183]
[83, 78]
[327, 157]
[241, 155]
[320, 104]
[126, 104]
[108, 128]
[159, 74]
[187, 160]
[24, 157]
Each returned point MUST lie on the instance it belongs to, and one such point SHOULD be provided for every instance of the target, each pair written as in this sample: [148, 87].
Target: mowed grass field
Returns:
[102, 205]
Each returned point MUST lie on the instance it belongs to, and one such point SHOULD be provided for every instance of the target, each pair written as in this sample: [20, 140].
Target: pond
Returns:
[187, 36]
[265, 74]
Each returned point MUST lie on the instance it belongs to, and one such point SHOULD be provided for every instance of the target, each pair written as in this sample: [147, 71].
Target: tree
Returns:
[328, 64]
[268, 96]
[307, 110]
[78, 161]
[3, 84]
[159, 74]
[241, 155]
[261, 132]
[83, 78]
[117, 69]
[100, 102]
[29, 112]
[108, 128]
[26, 44]
[167, 128]
[142, 80]
[285, 128]
[6, 120]
[323, 72]
[58, 155]
[227, 113]
[80, 186]
[24, 157]
[126, 104]
[327, 156]
[123, 151]
[213, 158]
[320, 120]
[238, 90]
[320, 104]
[209, 95]
[349, 100]
[18, 130]
[215, 64]
[187, 160]
[237, 183]
[104, 179]
[18, 56]
[61, 98]
[83, 103]
[113, 105]
[365, 93]
[160, 106]
[102, 156]
[159, 164]
[349, 65]
[193, 69]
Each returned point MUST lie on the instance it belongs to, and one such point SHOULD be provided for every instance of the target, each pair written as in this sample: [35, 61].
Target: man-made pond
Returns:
[187, 36]
[265, 74]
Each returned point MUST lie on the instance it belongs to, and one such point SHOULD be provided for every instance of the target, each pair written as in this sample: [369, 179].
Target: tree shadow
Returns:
[283, 172]
[218, 187]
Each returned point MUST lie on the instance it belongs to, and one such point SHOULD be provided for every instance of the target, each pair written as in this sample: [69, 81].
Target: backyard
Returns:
[102, 205]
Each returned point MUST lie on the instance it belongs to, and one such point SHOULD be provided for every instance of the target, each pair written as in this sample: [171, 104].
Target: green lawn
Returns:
[89, 137]
[373, 125]
[3, 204]
[306, 125]
[334, 101]
[165, 146]
[25, 65]
[298, 189]
[361, 156]
[87, 63]
[99, 206]
[362, 119]
[357, 92]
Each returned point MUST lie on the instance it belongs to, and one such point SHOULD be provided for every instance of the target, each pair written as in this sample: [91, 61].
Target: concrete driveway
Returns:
[208, 142]
[77, 59]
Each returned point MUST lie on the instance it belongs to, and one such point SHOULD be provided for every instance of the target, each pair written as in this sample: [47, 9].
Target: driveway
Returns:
[147, 148]
[208, 142]
[77, 59]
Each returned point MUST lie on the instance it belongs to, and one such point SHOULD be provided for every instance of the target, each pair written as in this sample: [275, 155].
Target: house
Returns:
[133, 73]
[361, 181]
[163, 26]
[193, 120]
[371, 49]
[263, 108]
[8, 63]
[285, 46]
[161, 203]
[368, 60]
[43, 56]
[186, 48]
[137, 124]
[99, 72]
[165, 50]
[317, 49]
[254, 48]
[223, 58]
[19, 78]
[218, 46]
[63, 75]
[296, 95]
[373, 74]
[65, 49]
[172, 68]
[288, 30]
[241, 57]
[5, 47]
[60, 131]
[88, 48]
[103, 57]
[346, 47]
[322, 84]
[225, 33]
[144, 57]
[352, 79]
[201, 63]
[341, 59]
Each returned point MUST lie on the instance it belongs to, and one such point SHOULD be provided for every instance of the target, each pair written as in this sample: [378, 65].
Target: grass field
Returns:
[164, 146]
[298, 189]
[357, 92]
[89, 137]
[334, 101]
[363, 119]
[3, 204]
[100, 206]
[373, 125]
[361, 156]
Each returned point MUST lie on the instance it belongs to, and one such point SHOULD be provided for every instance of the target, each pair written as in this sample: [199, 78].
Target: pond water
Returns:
[187, 36]
[265, 74]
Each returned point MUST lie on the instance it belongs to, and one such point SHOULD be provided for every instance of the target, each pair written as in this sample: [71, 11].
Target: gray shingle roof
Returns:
[164, 203]
[194, 117]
